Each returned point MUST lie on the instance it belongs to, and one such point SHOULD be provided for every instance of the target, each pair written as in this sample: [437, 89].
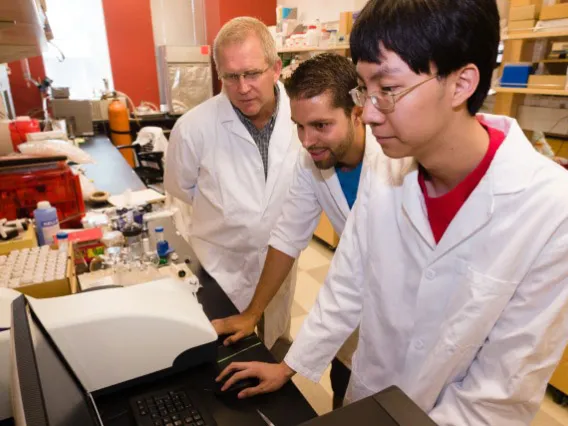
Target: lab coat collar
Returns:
[332, 181]
[231, 120]
[510, 172]
[280, 141]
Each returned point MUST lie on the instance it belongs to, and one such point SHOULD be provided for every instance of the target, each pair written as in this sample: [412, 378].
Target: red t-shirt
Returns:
[442, 210]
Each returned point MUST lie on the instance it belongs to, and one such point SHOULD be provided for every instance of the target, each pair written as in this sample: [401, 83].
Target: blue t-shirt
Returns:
[349, 181]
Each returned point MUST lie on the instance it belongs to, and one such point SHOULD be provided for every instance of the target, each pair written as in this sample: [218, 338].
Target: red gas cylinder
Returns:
[20, 128]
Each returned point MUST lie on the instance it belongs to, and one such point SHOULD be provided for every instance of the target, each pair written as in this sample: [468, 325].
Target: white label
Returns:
[49, 232]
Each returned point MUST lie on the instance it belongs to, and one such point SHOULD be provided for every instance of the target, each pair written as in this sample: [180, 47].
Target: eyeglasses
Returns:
[383, 101]
[248, 76]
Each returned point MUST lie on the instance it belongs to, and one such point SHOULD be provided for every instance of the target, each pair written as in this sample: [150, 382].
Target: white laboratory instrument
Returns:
[116, 336]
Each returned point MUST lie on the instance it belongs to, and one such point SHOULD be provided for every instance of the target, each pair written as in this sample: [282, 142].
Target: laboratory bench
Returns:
[288, 406]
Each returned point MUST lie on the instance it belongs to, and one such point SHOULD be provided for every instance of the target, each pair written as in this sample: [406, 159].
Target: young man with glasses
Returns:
[326, 179]
[454, 260]
[232, 158]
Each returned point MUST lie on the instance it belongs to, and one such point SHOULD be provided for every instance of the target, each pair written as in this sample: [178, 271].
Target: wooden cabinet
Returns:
[326, 233]
[22, 29]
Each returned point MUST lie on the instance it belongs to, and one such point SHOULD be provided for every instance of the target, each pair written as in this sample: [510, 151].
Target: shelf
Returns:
[535, 35]
[526, 91]
[313, 49]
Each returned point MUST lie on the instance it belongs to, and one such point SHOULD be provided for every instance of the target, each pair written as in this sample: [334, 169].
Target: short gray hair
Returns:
[237, 30]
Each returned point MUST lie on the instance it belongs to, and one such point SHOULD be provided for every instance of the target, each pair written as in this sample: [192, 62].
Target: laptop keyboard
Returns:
[173, 408]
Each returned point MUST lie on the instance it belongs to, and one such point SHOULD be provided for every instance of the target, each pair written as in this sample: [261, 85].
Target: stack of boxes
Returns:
[523, 14]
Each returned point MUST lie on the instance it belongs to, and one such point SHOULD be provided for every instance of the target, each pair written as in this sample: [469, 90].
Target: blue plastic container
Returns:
[516, 75]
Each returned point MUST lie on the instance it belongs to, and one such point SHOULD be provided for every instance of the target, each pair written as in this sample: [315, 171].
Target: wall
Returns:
[131, 48]
[219, 12]
[26, 98]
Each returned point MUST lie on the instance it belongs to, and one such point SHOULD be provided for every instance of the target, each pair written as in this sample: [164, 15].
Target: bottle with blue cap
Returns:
[162, 246]
[63, 241]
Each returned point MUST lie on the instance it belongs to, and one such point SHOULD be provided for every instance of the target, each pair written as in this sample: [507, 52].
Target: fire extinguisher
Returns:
[119, 123]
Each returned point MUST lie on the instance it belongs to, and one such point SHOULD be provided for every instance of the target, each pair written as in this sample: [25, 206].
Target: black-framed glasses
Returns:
[248, 76]
[383, 101]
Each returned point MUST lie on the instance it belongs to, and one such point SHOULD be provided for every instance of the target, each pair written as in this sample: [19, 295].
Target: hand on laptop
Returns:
[271, 376]
[238, 326]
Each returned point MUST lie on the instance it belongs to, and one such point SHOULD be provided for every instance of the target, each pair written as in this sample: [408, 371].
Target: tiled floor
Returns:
[313, 266]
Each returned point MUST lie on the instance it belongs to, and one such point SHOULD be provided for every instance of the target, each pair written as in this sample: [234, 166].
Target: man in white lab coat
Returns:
[326, 179]
[453, 263]
[232, 158]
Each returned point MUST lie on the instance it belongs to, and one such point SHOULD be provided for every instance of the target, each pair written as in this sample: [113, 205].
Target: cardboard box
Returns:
[526, 25]
[521, 3]
[345, 23]
[553, 82]
[557, 11]
[522, 13]
[56, 288]
[27, 239]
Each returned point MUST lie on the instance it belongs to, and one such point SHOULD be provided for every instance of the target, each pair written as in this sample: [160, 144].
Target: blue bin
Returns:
[516, 75]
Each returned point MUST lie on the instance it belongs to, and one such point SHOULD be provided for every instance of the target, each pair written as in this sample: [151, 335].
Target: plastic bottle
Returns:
[63, 242]
[47, 223]
[312, 36]
[162, 246]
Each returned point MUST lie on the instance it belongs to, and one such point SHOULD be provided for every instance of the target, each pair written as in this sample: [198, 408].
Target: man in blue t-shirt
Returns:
[326, 179]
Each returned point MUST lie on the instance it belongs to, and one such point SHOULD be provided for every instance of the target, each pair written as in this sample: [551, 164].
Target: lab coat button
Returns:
[419, 344]
[430, 274]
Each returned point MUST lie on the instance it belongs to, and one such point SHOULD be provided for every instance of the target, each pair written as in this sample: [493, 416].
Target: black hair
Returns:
[327, 72]
[448, 34]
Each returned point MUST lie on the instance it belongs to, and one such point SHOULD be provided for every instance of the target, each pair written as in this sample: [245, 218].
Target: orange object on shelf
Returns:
[119, 123]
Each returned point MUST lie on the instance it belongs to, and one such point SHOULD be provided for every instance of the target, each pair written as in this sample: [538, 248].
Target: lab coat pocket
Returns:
[475, 306]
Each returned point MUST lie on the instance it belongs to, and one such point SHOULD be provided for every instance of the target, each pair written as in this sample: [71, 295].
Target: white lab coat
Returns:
[313, 191]
[472, 328]
[214, 164]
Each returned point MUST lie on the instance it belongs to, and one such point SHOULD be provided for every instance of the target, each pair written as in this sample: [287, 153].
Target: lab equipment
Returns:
[97, 331]
[185, 77]
[78, 115]
[6, 298]
[47, 222]
[119, 122]
[24, 182]
[390, 407]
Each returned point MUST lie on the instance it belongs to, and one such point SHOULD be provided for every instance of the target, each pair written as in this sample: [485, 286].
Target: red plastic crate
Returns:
[22, 187]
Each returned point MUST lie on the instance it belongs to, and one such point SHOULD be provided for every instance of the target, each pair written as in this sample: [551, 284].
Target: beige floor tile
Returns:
[321, 248]
[316, 395]
[319, 274]
[312, 257]
[296, 325]
[556, 412]
[307, 289]
[297, 310]
[543, 419]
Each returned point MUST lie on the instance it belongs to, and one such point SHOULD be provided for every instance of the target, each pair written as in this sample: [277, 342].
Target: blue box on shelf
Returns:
[516, 75]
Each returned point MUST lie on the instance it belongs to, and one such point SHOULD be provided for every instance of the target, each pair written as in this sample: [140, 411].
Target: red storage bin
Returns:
[22, 187]
[20, 128]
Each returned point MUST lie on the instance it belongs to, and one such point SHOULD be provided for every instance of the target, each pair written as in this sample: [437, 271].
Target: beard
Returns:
[336, 155]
